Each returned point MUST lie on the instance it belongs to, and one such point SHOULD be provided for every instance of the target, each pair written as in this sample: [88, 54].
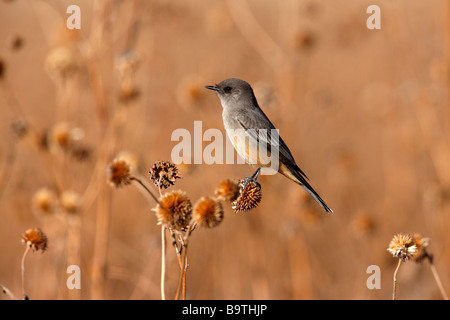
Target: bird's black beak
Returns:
[215, 88]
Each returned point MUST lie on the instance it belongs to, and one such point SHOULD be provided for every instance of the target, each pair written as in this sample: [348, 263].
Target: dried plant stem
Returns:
[101, 243]
[395, 279]
[183, 267]
[22, 265]
[147, 189]
[437, 278]
[182, 279]
[163, 261]
[8, 292]
[163, 239]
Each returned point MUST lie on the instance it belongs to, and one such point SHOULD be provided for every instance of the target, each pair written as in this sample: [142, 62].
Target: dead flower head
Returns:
[403, 246]
[164, 174]
[176, 210]
[44, 201]
[70, 201]
[118, 173]
[63, 136]
[35, 239]
[422, 245]
[208, 212]
[227, 190]
[61, 62]
[249, 197]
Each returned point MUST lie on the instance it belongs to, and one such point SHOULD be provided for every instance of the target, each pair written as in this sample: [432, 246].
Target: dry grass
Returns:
[365, 114]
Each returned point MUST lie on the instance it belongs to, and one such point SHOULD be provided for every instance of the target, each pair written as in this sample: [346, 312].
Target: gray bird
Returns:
[241, 113]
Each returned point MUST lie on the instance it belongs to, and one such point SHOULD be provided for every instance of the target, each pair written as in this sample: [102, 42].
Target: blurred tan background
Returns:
[364, 112]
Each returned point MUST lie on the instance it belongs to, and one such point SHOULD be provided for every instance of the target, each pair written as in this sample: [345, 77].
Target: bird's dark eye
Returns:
[227, 89]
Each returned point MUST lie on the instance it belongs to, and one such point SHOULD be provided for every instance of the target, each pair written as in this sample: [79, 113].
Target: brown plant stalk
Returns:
[394, 287]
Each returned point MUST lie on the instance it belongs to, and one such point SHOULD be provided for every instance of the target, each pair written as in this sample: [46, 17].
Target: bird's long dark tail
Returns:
[300, 177]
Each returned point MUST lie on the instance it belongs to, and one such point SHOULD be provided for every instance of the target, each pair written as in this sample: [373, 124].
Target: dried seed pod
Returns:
[249, 197]
[208, 212]
[35, 239]
[176, 210]
[164, 174]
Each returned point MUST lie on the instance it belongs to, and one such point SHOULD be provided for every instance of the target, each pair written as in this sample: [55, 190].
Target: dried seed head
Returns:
[61, 62]
[44, 201]
[70, 201]
[80, 152]
[35, 239]
[249, 197]
[164, 174]
[118, 173]
[190, 91]
[15, 42]
[208, 212]
[227, 190]
[422, 245]
[63, 136]
[176, 210]
[129, 158]
[363, 224]
[128, 89]
[403, 246]
[304, 40]
[126, 63]
[20, 128]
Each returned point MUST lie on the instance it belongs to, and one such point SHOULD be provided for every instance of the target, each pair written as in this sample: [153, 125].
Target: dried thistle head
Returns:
[70, 201]
[80, 152]
[20, 127]
[44, 201]
[63, 136]
[61, 62]
[190, 91]
[35, 239]
[118, 173]
[227, 190]
[304, 40]
[422, 245]
[128, 89]
[403, 246]
[176, 210]
[15, 42]
[164, 174]
[208, 212]
[249, 197]
[363, 224]
[129, 158]
[126, 63]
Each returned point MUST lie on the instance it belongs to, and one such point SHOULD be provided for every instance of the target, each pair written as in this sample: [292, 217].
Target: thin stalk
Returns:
[182, 279]
[22, 264]
[163, 261]
[437, 278]
[395, 279]
[147, 189]
[8, 292]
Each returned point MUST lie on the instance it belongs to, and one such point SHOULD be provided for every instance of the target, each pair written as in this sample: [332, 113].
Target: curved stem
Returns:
[437, 279]
[146, 189]
[395, 279]
[22, 265]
